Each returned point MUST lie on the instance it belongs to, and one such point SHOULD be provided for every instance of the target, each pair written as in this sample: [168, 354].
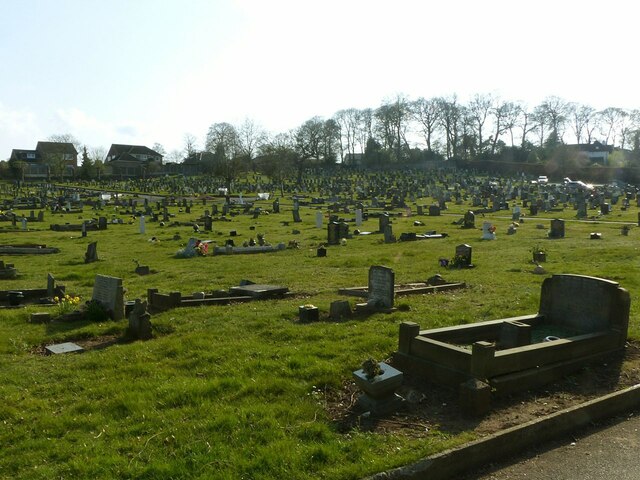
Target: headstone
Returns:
[557, 228]
[358, 217]
[208, 223]
[91, 254]
[83, 229]
[515, 214]
[67, 347]
[24, 223]
[488, 231]
[463, 255]
[420, 209]
[140, 321]
[339, 309]
[389, 237]
[381, 287]
[51, 285]
[469, 220]
[296, 215]
[110, 293]
[434, 210]
[41, 216]
[321, 251]
[333, 237]
[318, 219]
[605, 209]
[102, 223]
[383, 221]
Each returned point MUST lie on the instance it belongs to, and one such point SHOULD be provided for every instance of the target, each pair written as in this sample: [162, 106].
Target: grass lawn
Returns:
[239, 391]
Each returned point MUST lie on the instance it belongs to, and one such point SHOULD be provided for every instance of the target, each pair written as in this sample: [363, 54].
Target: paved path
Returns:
[610, 450]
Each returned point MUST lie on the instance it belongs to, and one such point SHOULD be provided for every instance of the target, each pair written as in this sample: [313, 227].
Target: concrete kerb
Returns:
[509, 442]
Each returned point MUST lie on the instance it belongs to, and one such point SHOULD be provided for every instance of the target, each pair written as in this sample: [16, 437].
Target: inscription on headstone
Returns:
[109, 292]
[381, 283]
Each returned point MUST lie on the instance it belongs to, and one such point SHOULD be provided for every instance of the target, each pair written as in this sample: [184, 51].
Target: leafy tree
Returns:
[87, 168]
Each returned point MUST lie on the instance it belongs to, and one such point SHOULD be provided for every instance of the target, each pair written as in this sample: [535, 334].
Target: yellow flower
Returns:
[56, 299]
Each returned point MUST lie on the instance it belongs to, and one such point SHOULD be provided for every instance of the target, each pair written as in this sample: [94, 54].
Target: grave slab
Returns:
[67, 347]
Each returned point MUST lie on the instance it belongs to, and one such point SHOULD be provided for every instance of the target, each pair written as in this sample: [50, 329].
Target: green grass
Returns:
[238, 391]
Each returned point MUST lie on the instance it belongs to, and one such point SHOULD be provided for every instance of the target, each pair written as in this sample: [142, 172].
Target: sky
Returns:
[150, 71]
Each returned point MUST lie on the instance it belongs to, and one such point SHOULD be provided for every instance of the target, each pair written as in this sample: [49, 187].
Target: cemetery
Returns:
[429, 344]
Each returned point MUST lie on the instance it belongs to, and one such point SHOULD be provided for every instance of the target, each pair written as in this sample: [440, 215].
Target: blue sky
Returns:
[147, 71]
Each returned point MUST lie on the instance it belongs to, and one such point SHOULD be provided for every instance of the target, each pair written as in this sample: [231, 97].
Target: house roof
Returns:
[56, 147]
[119, 149]
[21, 154]
[594, 147]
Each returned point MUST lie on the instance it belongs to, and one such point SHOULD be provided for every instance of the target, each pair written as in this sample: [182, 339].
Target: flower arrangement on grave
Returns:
[371, 368]
[492, 229]
[458, 261]
[66, 304]
[201, 248]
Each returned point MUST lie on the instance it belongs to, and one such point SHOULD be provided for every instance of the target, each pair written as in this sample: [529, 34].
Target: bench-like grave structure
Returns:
[27, 249]
[581, 320]
[411, 288]
[30, 296]
[244, 293]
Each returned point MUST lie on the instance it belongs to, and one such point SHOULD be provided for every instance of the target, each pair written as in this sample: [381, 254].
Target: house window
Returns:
[31, 156]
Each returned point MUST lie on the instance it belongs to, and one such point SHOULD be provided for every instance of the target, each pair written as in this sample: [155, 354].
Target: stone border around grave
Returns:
[515, 440]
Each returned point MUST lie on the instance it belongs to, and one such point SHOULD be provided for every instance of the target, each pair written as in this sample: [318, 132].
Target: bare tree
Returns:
[427, 113]
[392, 120]
[580, 116]
[348, 120]
[250, 136]
[506, 116]
[451, 116]
[610, 121]
[478, 111]
[190, 144]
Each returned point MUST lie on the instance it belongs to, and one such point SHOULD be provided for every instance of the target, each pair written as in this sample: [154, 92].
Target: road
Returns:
[606, 451]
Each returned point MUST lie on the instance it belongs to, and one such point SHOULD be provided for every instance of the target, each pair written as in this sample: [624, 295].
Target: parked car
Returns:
[577, 184]
[543, 180]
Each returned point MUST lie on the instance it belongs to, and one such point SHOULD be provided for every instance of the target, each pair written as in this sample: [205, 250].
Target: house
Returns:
[596, 152]
[58, 159]
[198, 163]
[132, 160]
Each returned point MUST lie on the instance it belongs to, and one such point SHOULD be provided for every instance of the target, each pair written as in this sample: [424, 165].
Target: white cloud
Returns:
[18, 129]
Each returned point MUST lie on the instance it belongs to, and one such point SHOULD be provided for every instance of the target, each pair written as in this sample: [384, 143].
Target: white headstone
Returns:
[487, 233]
[142, 227]
[24, 223]
[358, 217]
[318, 219]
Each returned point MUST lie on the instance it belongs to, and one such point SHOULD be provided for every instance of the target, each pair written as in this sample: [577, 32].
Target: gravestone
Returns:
[318, 219]
[380, 290]
[463, 255]
[333, 237]
[557, 228]
[142, 226]
[296, 216]
[83, 229]
[469, 220]
[358, 217]
[110, 293]
[208, 223]
[321, 251]
[515, 214]
[140, 321]
[102, 223]
[383, 221]
[51, 285]
[67, 347]
[24, 223]
[605, 209]
[41, 216]
[276, 206]
[487, 233]
[434, 210]
[419, 209]
[389, 237]
[91, 254]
